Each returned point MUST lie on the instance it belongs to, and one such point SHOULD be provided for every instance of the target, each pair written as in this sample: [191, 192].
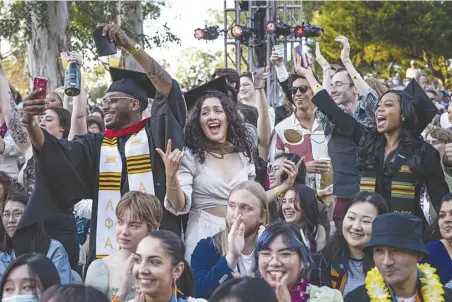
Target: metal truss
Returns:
[289, 12]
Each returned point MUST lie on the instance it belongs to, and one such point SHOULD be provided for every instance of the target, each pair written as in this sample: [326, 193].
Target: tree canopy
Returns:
[384, 34]
[84, 16]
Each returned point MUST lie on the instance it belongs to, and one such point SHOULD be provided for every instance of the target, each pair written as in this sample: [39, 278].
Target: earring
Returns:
[403, 118]
[175, 289]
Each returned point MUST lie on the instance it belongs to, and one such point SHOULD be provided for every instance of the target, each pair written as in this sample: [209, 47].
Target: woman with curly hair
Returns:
[216, 157]
[393, 159]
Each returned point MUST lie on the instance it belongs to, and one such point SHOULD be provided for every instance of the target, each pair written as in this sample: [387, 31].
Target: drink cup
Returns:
[280, 50]
[64, 59]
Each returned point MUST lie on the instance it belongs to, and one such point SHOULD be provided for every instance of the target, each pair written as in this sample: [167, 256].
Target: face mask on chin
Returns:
[21, 298]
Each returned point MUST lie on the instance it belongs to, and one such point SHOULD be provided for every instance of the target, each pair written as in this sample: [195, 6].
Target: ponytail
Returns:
[186, 282]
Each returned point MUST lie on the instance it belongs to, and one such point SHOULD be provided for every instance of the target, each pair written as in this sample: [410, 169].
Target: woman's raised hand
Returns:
[345, 53]
[275, 59]
[282, 290]
[171, 159]
[291, 169]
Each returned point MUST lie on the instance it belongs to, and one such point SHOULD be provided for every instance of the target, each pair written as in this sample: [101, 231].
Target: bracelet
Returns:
[277, 192]
[135, 49]
[317, 88]
[172, 188]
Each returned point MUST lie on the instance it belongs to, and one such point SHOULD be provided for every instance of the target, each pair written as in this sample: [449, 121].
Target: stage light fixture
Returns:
[312, 31]
[298, 31]
[207, 33]
[278, 28]
[241, 33]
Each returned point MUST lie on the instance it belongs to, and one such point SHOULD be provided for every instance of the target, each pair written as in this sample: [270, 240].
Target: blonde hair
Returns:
[441, 134]
[143, 208]
[221, 239]
[378, 86]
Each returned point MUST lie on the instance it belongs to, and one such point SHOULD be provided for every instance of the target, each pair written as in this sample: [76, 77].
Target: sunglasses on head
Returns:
[302, 89]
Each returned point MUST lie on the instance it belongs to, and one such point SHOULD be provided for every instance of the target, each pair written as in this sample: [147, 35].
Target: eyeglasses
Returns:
[107, 100]
[7, 215]
[272, 169]
[338, 84]
[283, 257]
[302, 89]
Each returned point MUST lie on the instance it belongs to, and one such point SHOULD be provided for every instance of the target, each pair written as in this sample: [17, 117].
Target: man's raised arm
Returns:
[159, 77]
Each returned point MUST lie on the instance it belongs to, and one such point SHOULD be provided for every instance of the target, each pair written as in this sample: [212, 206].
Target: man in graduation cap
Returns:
[103, 167]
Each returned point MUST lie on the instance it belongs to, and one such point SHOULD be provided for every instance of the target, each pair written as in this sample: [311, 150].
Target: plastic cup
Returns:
[114, 60]
[64, 59]
[280, 50]
[103, 45]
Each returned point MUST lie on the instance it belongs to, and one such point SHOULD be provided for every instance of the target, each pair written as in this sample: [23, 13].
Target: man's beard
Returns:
[249, 230]
[252, 230]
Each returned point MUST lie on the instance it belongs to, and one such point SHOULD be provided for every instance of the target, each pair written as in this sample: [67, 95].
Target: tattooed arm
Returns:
[156, 73]
[159, 77]
[12, 117]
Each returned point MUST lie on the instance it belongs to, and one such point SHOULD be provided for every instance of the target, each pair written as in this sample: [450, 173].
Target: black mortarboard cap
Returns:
[425, 109]
[219, 84]
[134, 83]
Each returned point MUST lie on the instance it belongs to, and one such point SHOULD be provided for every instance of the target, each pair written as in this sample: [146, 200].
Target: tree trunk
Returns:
[131, 17]
[47, 43]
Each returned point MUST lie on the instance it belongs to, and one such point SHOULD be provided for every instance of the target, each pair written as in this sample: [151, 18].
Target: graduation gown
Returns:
[432, 176]
[69, 172]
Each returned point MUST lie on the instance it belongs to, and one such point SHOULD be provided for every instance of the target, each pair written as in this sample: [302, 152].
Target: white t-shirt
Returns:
[412, 299]
[246, 265]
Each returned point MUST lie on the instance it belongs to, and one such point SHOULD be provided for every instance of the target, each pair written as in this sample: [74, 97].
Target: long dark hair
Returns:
[372, 140]
[236, 132]
[245, 289]
[291, 237]
[9, 185]
[432, 232]
[39, 268]
[174, 246]
[306, 202]
[337, 249]
[64, 117]
[73, 293]
[40, 240]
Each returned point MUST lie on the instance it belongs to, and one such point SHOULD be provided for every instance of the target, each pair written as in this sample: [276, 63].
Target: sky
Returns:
[183, 17]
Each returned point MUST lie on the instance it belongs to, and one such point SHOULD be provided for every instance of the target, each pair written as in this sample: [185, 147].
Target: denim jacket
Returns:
[56, 253]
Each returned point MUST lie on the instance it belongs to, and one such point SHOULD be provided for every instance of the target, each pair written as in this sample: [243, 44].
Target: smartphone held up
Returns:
[304, 56]
[40, 84]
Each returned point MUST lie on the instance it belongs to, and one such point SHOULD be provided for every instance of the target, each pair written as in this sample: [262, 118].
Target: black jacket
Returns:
[432, 173]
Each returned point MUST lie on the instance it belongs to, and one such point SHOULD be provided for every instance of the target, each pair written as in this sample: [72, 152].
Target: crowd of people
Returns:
[340, 193]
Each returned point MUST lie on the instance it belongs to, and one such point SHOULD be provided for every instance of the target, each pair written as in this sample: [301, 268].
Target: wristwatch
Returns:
[135, 49]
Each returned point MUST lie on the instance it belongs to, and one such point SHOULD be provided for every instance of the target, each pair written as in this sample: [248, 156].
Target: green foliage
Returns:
[387, 33]
[195, 65]
[84, 17]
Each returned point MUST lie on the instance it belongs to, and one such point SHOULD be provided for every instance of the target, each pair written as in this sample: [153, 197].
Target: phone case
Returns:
[40, 83]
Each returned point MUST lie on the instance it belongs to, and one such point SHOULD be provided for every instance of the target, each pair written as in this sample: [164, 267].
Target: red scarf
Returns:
[110, 133]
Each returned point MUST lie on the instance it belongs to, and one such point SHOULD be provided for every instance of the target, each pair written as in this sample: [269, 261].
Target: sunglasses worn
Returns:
[302, 89]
